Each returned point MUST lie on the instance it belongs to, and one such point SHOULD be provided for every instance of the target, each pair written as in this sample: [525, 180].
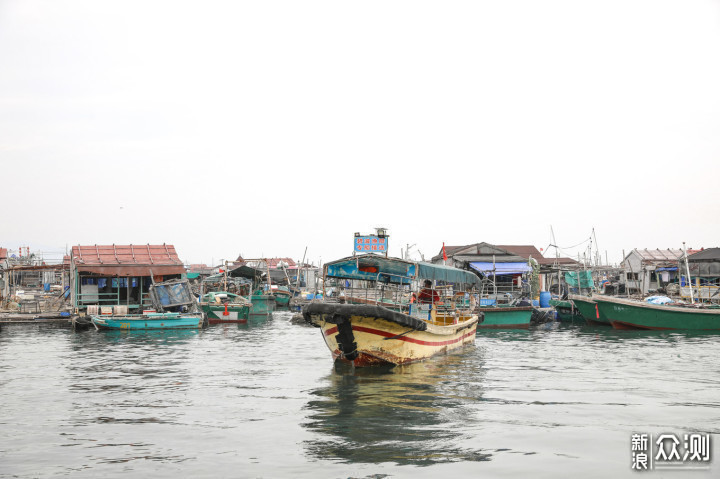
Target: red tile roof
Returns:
[126, 260]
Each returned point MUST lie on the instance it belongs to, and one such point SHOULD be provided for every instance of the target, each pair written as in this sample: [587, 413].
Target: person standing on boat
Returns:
[428, 294]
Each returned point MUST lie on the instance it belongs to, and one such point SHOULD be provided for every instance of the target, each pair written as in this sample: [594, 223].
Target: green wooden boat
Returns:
[221, 307]
[566, 310]
[282, 296]
[589, 310]
[262, 303]
[633, 314]
[506, 317]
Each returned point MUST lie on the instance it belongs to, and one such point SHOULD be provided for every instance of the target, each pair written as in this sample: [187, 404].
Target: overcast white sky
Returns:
[264, 127]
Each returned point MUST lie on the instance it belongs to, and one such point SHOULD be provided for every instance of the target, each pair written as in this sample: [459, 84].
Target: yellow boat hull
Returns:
[373, 335]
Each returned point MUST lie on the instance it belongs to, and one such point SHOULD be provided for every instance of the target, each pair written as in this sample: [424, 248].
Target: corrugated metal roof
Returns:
[514, 251]
[653, 255]
[709, 254]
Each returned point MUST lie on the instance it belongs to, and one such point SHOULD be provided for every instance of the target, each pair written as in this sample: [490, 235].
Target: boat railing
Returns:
[493, 293]
[706, 292]
[399, 296]
[395, 296]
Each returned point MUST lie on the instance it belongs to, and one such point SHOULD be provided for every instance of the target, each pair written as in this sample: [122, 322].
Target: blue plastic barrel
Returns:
[544, 299]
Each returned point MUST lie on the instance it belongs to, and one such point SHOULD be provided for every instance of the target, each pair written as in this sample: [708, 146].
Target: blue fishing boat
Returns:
[175, 308]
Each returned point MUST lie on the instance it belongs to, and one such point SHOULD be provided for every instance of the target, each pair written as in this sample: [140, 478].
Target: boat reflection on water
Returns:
[418, 414]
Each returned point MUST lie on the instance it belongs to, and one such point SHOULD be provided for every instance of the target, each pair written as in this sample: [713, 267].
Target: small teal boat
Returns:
[149, 321]
[508, 317]
[282, 296]
[262, 303]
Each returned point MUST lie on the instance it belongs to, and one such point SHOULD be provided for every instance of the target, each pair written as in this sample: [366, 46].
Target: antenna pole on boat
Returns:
[557, 262]
[687, 270]
[297, 281]
[225, 275]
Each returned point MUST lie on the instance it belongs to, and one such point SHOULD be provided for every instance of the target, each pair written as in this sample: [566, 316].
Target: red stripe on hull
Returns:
[592, 322]
[386, 334]
[625, 325]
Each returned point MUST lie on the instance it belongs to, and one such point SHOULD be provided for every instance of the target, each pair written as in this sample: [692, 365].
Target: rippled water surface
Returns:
[265, 400]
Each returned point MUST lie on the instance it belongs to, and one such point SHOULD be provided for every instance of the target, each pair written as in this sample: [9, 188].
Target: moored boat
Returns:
[149, 321]
[506, 317]
[262, 302]
[282, 296]
[589, 310]
[633, 314]
[566, 310]
[221, 307]
[381, 322]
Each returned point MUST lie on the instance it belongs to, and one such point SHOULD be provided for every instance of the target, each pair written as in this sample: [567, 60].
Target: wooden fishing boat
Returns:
[378, 320]
[175, 308]
[282, 296]
[634, 314]
[221, 307]
[589, 310]
[506, 317]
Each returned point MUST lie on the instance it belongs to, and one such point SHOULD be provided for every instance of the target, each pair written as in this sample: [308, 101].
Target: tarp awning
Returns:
[372, 267]
[447, 274]
[245, 272]
[585, 279]
[674, 268]
[500, 268]
[393, 270]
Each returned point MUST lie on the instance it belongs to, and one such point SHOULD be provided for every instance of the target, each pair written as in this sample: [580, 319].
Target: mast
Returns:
[557, 260]
[687, 270]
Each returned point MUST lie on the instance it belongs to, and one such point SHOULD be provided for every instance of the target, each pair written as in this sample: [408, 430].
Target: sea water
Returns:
[265, 400]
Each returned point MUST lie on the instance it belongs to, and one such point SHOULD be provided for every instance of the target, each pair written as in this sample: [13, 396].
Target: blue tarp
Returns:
[501, 268]
[659, 300]
[674, 268]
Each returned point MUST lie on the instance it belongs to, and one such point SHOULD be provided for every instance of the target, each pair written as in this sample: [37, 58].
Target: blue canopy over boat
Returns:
[385, 269]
